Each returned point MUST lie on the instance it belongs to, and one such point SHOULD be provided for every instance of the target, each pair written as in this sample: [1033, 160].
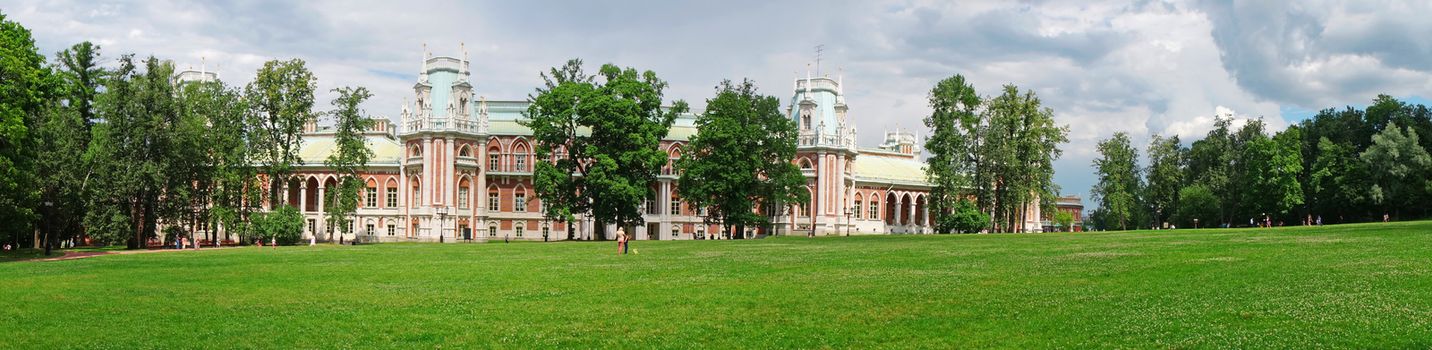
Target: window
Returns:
[675, 205]
[392, 230]
[520, 203]
[464, 152]
[521, 160]
[493, 160]
[369, 231]
[857, 209]
[372, 197]
[492, 198]
[311, 227]
[462, 197]
[392, 197]
[519, 228]
[874, 210]
[803, 210]
[492, 230]
[675, 232]
[413, 202]
[651, 207]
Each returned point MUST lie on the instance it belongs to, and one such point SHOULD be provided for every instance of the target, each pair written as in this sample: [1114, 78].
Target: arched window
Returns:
[858, 205]
[805, 164]
[874, 208]
[492, 199]
[494, 159]
[465, 151]
[805, 119]
[416, 194]
[415, 151]
[392, 193]
[462, 193]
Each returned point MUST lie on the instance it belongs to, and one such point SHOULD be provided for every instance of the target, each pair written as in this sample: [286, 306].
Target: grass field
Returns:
[1351, 286]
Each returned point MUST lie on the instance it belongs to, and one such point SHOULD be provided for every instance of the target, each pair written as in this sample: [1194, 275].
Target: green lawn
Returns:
[1352, 286]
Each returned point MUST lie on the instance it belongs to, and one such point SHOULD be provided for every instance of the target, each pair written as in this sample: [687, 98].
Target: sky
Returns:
[1141, 67]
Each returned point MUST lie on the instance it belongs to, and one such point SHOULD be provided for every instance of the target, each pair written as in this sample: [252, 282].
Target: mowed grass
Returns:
[1349, 286]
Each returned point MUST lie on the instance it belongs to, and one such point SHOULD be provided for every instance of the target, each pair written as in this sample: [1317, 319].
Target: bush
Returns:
[284, 225]
[964, 217]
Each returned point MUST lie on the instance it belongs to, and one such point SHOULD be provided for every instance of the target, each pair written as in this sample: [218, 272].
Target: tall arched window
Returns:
[858, 205]
[413, 199]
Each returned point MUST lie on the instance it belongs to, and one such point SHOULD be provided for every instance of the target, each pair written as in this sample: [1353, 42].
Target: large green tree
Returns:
[27, 89]
[1118, 189]
[281, 99]
[1165, 176]
[955, 126]
[741, 158]
[1400, 168]
[350, 155]
[230, 177]
[1271, 177]
[601, 134]
[1016, 153]
[132, 152]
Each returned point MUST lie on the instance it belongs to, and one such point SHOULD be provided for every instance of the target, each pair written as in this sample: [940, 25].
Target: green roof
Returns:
[317, 147]
[877, 167]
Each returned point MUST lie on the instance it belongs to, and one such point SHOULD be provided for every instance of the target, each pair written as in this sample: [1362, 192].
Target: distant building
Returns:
[1068, 204]
[458, 167]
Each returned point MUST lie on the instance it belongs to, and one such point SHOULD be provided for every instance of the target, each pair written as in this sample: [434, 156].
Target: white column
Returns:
[320, 207]
[427, 190]
[910, 218]
[449, 161]
[302, 197]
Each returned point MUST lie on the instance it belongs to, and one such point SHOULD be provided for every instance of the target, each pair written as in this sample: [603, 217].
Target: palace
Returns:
[458, 167]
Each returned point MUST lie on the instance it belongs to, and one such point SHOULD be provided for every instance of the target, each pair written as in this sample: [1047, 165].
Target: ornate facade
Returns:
[458, 167]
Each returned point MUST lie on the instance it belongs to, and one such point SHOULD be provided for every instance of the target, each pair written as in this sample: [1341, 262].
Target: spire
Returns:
[463, 47]
[840, 81]
[807, 94]
[423, 74]
[203, 65]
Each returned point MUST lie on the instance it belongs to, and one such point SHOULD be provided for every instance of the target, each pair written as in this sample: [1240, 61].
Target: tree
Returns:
[1117, 190]
[1198, 207]
[132, 151]
[228, 188]
[65, 135]
[1272, 168]
[1399, 167]
[1165, 176]
[27, 88]
[608, 132]
[1016, 152]
[281, 99]
[351, 154]
[1064, 220]
[283, 225]
[741, 157]
[955, 128]
[1337, 179]
[1210, 164]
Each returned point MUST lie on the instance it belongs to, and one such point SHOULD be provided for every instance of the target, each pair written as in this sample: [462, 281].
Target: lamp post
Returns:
[49, 207]
[546, 224]
[1195, 223]
[442, 222]
[700, 230]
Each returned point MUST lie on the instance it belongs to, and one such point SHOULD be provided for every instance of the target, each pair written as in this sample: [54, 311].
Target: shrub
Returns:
[285, 225]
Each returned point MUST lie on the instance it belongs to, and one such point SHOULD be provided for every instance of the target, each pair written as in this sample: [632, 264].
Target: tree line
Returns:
[107, 154]
[1340, 165]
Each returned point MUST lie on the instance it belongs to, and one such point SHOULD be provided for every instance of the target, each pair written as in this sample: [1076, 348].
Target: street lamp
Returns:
[49, 208]
[700, 230]
[546, 223]
[1195, 223]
